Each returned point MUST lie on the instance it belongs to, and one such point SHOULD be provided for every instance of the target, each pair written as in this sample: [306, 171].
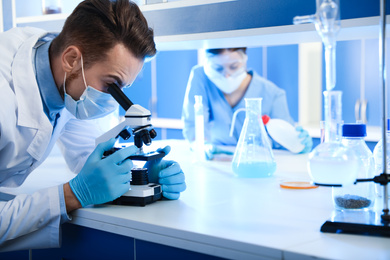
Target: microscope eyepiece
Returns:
[119, 96]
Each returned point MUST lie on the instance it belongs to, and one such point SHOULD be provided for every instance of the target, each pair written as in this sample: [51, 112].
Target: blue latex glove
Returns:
[307, 141]
[103, 180]
[168, 174]
[211, 150]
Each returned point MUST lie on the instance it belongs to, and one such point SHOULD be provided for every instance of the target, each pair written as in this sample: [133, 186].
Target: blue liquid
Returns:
[254, 169]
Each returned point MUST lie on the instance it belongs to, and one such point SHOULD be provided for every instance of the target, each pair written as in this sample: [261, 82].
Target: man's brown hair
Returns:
[96, 26]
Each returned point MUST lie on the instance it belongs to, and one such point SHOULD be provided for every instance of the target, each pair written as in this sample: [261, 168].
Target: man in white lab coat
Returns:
[49, 87]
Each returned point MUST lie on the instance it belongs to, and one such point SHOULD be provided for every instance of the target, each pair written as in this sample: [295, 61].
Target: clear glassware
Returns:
[253, 157]
[332, 163]
[327, 23]
[199, 146]
[360, 196]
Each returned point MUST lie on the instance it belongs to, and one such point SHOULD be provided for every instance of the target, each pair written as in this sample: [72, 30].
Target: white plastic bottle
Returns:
[284, 133]
[199, 129]
[378, 157]
[360, 196]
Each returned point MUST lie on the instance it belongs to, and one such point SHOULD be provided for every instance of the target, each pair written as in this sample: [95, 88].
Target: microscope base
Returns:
[140, 195]
[366, 223]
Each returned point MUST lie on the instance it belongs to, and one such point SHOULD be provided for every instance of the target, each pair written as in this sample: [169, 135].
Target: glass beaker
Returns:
[253, 157]
[331, 163]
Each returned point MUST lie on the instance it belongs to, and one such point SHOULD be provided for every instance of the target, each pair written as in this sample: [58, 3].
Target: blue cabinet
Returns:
[147, 250]
[82, 243]
[18, 255]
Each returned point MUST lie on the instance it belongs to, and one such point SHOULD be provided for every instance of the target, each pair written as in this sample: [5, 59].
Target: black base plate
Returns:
[356, 229]
[367, 223]
[137, 201]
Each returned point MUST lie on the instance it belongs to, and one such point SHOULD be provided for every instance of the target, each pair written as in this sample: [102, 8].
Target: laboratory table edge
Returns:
[218, 216]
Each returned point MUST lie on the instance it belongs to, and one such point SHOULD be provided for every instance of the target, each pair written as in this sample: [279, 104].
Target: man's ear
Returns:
[70, 59]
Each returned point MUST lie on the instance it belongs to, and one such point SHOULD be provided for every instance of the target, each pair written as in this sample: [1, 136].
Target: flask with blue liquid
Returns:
[253, 157]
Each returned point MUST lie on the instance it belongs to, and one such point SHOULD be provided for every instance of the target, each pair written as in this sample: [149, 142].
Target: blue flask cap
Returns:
[354, 130]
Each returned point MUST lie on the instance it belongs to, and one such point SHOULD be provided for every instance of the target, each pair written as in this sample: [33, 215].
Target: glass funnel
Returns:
[253, 157]
[327, 23]
[331, 163]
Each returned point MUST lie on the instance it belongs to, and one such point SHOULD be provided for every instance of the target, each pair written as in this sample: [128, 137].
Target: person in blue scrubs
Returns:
[224, 82]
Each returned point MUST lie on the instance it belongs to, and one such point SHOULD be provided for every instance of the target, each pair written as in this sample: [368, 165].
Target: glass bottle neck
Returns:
[332, 111]
[352, 140]
[253, 107]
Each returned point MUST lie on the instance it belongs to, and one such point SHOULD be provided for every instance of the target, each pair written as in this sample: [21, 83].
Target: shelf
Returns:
[41, 18]
[179, 4]
[167, 123]
[195, 24]
[352, 29]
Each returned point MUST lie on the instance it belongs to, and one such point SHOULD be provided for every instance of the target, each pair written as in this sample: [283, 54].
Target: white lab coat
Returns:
[26, 139]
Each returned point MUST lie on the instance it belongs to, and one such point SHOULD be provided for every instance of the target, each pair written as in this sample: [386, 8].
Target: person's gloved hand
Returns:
[307, 141]
[168, 174]
[211, 150]
[103, 180]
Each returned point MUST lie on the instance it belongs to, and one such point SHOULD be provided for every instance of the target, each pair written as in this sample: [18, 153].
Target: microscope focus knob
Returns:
[138, 140]
[125, 134]
[146, 137]
[152, 133]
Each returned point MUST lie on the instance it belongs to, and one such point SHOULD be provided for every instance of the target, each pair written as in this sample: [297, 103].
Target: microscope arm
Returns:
[137, 121]
[136, 118]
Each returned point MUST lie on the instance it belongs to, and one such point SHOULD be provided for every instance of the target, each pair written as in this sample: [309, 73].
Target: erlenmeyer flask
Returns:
[253, 157]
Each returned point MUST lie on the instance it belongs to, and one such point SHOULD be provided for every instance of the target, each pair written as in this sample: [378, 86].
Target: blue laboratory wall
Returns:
[173, 70]
[349, 69]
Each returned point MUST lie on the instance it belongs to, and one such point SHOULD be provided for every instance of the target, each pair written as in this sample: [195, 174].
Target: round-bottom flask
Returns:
[332, 163]
[253, 157]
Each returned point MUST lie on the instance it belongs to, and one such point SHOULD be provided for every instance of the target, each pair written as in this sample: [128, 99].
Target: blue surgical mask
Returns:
[231, 83]
[92, 103]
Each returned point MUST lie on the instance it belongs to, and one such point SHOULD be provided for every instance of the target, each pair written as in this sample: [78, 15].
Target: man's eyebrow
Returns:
[117, 79]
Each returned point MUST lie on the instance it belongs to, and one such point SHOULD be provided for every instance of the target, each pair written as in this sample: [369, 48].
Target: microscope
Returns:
[137, 122]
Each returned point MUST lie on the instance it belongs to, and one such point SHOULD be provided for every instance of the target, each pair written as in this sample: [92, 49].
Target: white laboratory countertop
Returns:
[225, 216]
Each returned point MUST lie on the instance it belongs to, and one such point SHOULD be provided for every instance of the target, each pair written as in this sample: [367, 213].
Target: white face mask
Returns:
[226, 85]
[92, 103]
